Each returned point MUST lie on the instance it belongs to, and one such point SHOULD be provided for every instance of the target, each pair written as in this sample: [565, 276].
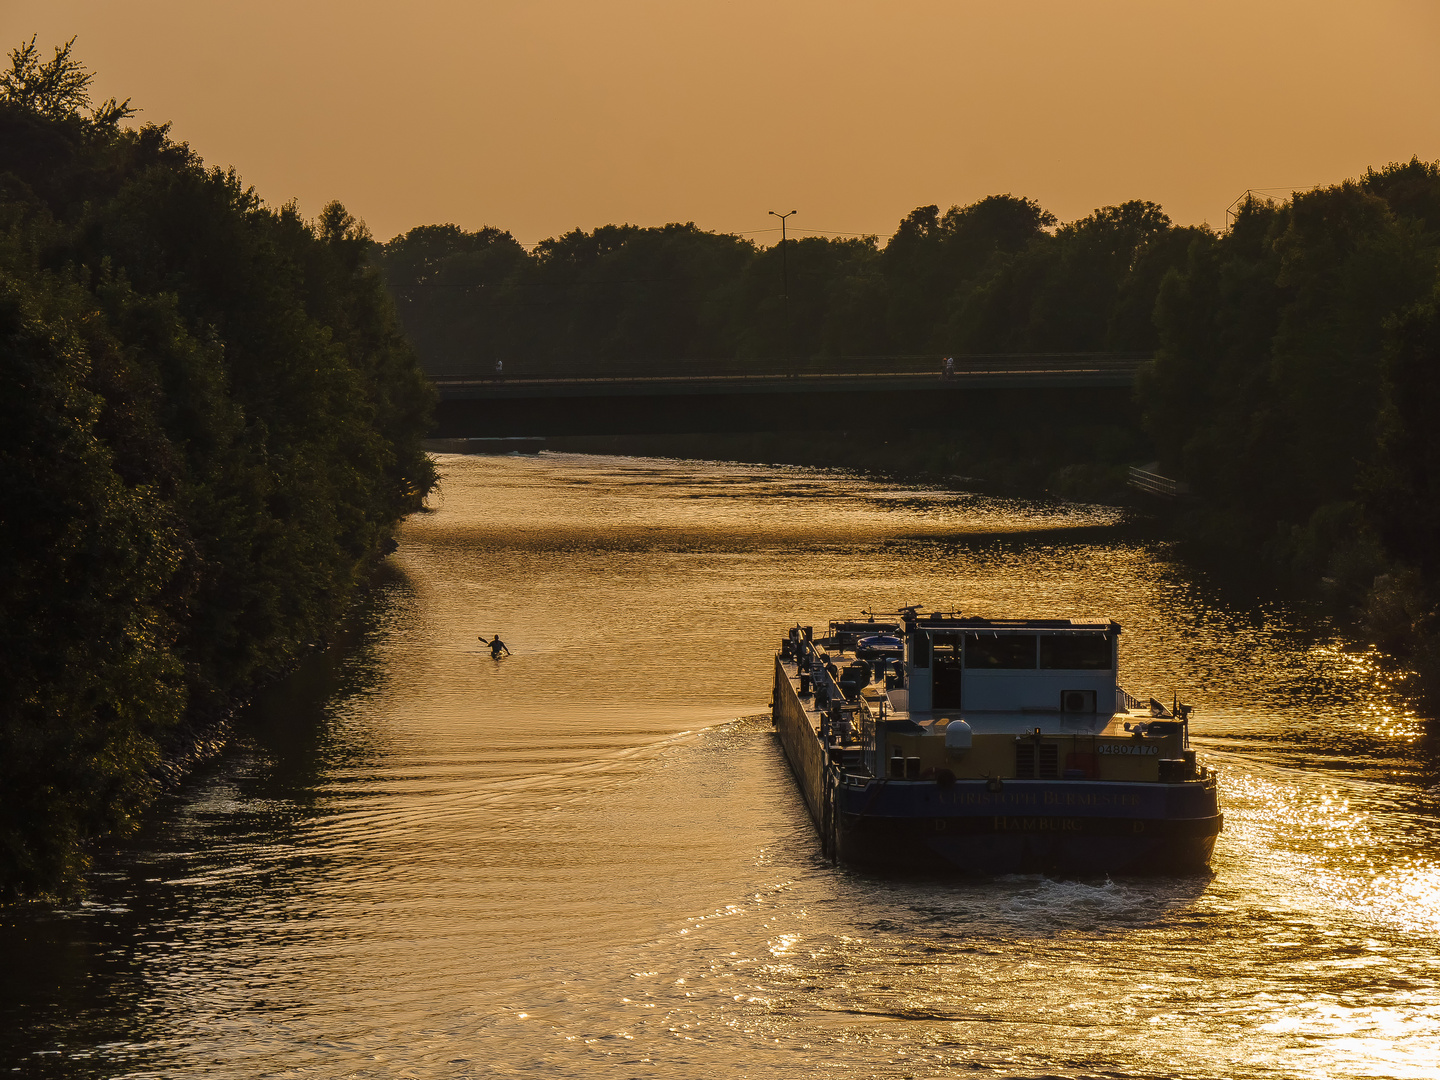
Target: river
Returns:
[588, 859]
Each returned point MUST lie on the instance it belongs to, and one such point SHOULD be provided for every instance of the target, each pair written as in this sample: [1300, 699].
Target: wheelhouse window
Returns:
[1076, 652]
[995, 651]
[946, 648]
[920, 649]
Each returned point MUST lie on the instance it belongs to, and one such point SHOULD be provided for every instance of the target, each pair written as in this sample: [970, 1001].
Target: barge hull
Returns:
[800, 740]
[1037, 844]
[968, 827]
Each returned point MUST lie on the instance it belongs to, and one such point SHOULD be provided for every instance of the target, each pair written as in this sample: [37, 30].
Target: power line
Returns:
[1265, 193]
[836, 232]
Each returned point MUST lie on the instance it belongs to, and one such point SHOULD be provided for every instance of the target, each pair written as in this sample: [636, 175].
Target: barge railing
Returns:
[844, 724]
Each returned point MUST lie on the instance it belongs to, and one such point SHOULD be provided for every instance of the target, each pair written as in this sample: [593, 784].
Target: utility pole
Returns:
[785, 279]
[784, 268]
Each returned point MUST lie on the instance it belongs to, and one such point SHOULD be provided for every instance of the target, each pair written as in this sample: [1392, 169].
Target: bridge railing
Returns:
[587, 369]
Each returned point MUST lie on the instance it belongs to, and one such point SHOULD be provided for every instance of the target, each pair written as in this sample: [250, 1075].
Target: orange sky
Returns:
[544, 115]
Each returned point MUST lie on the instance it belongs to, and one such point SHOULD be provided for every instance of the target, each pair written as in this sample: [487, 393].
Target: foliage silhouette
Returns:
[209, 422]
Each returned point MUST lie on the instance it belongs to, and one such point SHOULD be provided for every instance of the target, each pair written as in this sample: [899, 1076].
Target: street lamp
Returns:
[784, 268]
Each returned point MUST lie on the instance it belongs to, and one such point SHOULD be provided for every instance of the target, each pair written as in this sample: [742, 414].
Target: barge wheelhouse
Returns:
[951, 743]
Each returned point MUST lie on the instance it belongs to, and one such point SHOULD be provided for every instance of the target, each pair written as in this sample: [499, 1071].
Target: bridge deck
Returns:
[730, 396]
[1024, 373]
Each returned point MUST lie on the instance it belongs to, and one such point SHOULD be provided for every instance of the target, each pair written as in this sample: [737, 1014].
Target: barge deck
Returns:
[989, 746]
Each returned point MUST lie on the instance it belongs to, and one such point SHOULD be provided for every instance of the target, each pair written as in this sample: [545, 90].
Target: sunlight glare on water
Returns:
[589, 858]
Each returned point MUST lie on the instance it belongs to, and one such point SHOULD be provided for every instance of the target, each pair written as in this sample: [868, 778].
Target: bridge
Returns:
[755, 396]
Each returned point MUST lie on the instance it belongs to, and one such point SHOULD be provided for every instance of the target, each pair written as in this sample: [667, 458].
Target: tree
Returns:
[58, 89]
[934, 262]
[1403, 492]
[209, 423]
[1089, 287]
[89, 680]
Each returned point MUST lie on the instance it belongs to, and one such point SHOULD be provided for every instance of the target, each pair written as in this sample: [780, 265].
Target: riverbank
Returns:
[205, 731]
[1024, 464]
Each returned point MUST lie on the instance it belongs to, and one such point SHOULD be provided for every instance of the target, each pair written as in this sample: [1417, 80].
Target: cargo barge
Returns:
[950, 743]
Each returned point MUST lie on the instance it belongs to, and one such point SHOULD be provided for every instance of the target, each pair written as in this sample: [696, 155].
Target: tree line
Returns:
[995, 276]
[1297, 389]
[1294, 386]
[209, 422]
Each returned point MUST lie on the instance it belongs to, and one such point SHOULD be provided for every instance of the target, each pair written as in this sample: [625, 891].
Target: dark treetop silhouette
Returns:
[209, 422]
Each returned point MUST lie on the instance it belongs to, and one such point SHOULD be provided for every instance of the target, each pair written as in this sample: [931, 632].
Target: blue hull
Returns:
[1027, 826]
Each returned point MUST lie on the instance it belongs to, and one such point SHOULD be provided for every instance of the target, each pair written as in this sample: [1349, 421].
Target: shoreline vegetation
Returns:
[1295, 384]
[210, 422]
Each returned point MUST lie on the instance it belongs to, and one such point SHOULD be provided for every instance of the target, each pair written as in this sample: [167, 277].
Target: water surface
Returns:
[588, 859]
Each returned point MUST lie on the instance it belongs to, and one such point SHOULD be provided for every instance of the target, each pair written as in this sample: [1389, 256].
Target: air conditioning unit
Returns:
[1077, 701]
